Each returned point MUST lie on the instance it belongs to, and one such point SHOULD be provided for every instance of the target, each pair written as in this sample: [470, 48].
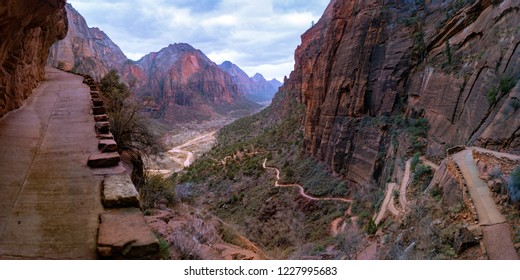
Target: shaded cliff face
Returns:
[441, 60]
[255, 88]
[86, 50]
[28, 29]
[186, 85]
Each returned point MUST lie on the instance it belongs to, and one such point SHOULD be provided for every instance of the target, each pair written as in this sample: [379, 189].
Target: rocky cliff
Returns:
[185, 84]
[453, 63]
[28, 29]
[86, 50]
[255, 88]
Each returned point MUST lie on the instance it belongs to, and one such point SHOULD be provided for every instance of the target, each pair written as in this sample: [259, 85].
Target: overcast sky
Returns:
[257, 35]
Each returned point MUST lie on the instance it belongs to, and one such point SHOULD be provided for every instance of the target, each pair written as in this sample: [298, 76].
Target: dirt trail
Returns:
[336, 226]
[496, 230]
[182, 156]
[404, 185]
[190, 158]
[50, 201]
[301, 189]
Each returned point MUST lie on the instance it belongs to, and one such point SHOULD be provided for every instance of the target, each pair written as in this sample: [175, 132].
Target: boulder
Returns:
[464, 239]
[119, 192]
[104, 160]
[124, 234]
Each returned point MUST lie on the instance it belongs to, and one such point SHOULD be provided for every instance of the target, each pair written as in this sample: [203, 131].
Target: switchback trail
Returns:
[50, 202]
[338, 224]
[301, 189]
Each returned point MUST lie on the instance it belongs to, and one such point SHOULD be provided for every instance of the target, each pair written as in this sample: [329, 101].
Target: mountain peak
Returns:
[258, 77]
[181, 47]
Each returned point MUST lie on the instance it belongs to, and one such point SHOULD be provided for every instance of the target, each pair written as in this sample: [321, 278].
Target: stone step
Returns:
[119, 192]
[105, 136]
[124, 234]
[97, 102]
[102, 127]
[99, 110]
[107, 146]
[101, 118]
[94, 94]
[103, 160]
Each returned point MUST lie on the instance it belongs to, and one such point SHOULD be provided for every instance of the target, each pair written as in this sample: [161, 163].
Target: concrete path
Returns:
[49, 199]
[496, 230]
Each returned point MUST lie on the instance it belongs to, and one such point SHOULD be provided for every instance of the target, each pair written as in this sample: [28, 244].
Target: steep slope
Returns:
[186, 85]
[27, 30]
[86, 50]
[365, 60]
[255, 88]
[375, 86]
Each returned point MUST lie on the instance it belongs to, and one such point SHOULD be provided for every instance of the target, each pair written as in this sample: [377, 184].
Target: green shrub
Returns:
[164, 248]
[415, 160]
[156, 189]
[514, 184]
[371, 227]
[492, 95]
[506, 84]
[61, 65]
[514, 103]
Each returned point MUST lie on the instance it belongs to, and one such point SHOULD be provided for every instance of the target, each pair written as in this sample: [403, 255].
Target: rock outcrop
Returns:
[184, 84]
[453, 63]
[28, 29]
[86, 50]
[255, 88]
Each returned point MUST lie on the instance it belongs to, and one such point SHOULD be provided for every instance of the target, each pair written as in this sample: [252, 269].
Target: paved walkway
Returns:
[496, 230]
[49, 199]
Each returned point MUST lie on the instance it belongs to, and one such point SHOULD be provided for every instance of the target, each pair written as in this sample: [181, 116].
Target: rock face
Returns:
[28, 29]
[255, 88]
[365, 60]
[185, 84]
[86, 50]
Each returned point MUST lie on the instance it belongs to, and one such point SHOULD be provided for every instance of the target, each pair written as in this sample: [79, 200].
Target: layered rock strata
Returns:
[28, 29]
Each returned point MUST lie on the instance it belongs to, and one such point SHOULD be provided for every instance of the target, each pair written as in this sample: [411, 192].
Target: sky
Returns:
[257, 35]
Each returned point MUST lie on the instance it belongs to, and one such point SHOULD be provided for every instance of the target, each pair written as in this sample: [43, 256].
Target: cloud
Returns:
[258, 35]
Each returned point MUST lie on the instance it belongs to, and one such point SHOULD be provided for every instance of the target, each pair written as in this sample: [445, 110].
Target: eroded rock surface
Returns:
[368, 60]
[28, 29]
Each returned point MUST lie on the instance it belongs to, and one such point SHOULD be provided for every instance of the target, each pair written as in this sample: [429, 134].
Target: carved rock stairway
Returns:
[123, 232]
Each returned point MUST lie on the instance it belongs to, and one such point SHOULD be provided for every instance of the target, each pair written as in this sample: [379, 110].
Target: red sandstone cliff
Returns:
[28, 29]
[365, 60]
[255, 88]
[86, 50]
[186, 84]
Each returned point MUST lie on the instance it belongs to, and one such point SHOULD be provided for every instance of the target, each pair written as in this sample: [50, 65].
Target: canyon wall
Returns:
[86, 50]
[255, 88]
[186, 85]
[454, 63]
[28, 29]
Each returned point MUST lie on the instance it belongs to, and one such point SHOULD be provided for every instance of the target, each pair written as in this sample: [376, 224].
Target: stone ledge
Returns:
[107, 146]
[104, 160]
[124, 234]
[102, 127]
[101, 118]
[119, 192]
[97, 102]
[105, 136]
[99, 110]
